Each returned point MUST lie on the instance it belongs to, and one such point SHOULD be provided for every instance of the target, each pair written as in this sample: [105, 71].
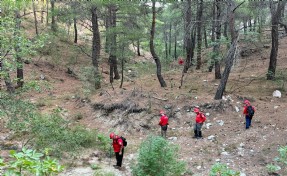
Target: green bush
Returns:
[281, 162]
[222, 170]
[29, 162]
[158, 157]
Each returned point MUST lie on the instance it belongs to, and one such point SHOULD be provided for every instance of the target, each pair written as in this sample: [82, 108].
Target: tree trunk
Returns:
[107, 26]
[19, 61]
[113, 52]
[53, 23]
[187, 36]
[225, 30]
[250, 24]
[47, 12]
[231, 52]
[152, 50]
[35, 17]
[96, 47]
[138, 47]
[205, 37]
[275, 13]
[75, 30]
[199, 40]
[175, 44]
[169, 50]
[42, 11]
[216, 47]
[165, 42]
[213, 33]
[245, 27]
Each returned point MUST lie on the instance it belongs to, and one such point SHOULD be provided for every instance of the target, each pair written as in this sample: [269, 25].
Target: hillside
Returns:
[133, 112]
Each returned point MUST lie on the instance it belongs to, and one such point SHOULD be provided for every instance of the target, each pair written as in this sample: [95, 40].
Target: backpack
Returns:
[124, 141]
[250, 111]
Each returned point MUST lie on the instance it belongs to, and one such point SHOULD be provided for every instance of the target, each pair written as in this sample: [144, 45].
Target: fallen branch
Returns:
[159, 98]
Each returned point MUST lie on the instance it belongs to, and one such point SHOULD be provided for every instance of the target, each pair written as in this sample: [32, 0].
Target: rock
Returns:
[224, 153]
[205, 80]
[173, 128]
[173, 138]
[236, 109]
[207, 114]
[242, 174]
[211, 137]
[208, 125]
[220, 122]
[277, 94]
[42, 77]
[241, 144]
[276, 107]
[217, 160]
[198, 167]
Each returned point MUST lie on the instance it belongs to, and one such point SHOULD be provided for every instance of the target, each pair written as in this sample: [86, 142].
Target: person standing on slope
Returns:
[199, 120]
[248, 112]
[118, 146]
[163, 123]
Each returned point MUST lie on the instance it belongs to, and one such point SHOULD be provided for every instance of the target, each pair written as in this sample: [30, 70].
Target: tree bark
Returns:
[213, 33]
[107, 26]
[187, 36]
[138, 47]
[47, 14]
[275, 13]
[75, 30]
[42, 12]
[169, 50]
[19, 61]
[53, 23]
[152, 50]
[96, 47]
[35, 17]
[113, 50]
[199, 40]
[231, 52]
[205, 37]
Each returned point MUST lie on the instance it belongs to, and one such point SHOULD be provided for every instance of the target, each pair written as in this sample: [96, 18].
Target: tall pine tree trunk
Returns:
[187, 36]
[113, 52]
[35, 17]
[53, 23]
[216, 47]
[75, 30]
[96, 47]
[199, 40]
[152, 50]
[19, 61]
[275, 13]
[231, 52]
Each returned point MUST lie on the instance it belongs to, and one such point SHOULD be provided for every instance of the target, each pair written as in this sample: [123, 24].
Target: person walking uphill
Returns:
[163, 123]
[118, 145]
[199, 120]
[248, 111]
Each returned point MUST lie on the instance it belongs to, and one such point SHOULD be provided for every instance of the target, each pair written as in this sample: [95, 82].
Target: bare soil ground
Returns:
[133, 112]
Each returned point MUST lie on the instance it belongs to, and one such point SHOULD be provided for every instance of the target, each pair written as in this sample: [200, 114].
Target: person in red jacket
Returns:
[180, 61]
[163, 123]
[199, 120]
[248, 112]
[118, 146]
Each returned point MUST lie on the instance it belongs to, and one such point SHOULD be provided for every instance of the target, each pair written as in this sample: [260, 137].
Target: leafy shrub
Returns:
[222, 170]
[281, 162]
[30, 162]
[158, 157]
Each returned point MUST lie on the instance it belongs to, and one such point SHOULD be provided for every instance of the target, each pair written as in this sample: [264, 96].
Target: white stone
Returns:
[224, 153]
[217, 160]
[220, 122]
[208, 125]
[129, 71]
[207, 114]
[211, 137]
[173, 128]
[172, 138]
[216, 84]
[205, 80]
[241, 144]
[242, 174]
[276, 107]
[236, 109]
[277, 94]
[198, 167]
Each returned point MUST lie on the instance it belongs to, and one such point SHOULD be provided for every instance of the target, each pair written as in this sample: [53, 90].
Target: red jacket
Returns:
[163, 120]
[245, 110]
[117, 144]
[200, 118]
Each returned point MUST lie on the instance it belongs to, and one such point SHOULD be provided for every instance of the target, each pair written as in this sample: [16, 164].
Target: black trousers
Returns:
[119, 158]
